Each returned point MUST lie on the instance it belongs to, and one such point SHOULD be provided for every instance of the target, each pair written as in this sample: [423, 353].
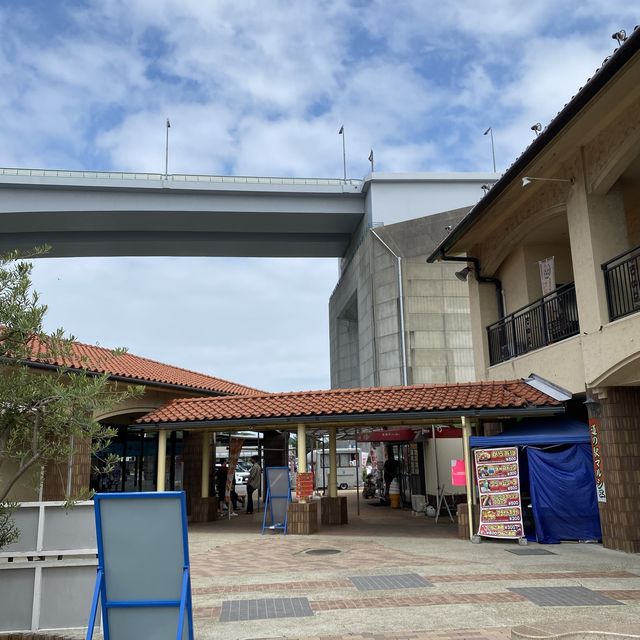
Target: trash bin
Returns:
[394, 494]
[418, 503]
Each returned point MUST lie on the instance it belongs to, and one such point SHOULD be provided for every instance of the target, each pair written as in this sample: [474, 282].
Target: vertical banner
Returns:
[547, 275]
[235, 447]
[601, 492]
[498, 478]
[458, 473]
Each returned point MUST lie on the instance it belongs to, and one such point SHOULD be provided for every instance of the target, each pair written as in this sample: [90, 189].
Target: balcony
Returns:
[550, 319]
[622, 282]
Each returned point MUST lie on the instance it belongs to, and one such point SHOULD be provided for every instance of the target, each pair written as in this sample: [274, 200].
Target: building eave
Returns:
[588, 92]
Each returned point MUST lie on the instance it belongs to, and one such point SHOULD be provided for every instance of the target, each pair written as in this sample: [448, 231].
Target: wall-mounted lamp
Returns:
[463, 274]
[536, 128]
[529, 180]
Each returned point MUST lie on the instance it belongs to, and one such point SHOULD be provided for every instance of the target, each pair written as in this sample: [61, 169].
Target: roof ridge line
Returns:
[355, 390]
[164, 364]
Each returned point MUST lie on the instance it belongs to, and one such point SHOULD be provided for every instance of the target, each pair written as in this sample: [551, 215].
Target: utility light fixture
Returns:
[528, 180]
[620, 36]
[536, 128]
[463, 274]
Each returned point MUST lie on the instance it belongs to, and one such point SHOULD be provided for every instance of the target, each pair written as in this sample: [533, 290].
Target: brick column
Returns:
[620, 451]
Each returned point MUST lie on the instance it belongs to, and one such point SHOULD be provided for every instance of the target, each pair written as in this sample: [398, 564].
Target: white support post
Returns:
[162, 459]
[206, 461]
[302, 451]
[302, 448]
[333, 463]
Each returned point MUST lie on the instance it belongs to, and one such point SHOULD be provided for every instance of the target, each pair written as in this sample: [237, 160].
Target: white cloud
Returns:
[261, 87]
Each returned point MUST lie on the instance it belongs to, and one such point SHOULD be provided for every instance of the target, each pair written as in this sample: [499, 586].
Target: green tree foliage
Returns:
[43, 412]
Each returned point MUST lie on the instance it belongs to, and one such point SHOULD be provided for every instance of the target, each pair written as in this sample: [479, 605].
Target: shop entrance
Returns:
[130, 462]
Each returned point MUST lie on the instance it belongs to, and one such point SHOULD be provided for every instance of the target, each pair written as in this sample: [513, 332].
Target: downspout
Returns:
[494, 281]
[401, 310]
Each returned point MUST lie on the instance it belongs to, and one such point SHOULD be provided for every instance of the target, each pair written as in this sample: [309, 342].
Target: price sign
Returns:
[304, 485]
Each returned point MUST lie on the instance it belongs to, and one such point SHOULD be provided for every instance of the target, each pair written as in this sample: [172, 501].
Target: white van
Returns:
[346, 471]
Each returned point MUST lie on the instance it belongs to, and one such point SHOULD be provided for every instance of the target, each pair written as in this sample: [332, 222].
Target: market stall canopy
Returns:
[538, 431]
[371, 407]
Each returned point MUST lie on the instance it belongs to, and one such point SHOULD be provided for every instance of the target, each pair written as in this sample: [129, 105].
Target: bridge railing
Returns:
[176, 177]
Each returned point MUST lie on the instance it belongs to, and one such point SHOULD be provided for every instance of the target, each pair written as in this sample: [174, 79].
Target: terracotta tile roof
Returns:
[126, 365]
[512, 394]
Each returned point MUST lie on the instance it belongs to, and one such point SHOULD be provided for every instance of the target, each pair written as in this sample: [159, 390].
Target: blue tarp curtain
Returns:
[562, 484]
[537, 432]
[563, 494]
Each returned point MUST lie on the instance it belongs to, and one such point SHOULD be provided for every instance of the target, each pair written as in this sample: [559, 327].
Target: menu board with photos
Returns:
[497, 475]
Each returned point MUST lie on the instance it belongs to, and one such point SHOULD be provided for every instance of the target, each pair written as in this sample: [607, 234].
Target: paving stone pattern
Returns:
[346, 583]
[270, 556]
[236, 610]
[402, 581]
[564, 596]
[402, 600]
[525, 551]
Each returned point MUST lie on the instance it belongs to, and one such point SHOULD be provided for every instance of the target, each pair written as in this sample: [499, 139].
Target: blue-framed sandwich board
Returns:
[143, 582]
[276, 503]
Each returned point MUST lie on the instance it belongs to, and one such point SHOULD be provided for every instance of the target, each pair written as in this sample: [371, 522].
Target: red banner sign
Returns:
[235, 447]
[390, 435]
[497, 475]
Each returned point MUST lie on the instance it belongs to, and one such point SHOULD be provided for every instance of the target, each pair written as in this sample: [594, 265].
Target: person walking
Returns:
[390, 471]
[253, 482]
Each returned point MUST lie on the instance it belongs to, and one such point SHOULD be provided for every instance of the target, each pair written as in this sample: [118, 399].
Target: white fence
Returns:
[47, 576]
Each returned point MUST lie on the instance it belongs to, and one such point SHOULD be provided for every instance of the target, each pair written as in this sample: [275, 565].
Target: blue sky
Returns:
[261, 88]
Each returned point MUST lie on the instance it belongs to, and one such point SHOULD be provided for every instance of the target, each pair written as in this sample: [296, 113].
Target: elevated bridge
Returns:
[93, 213]
[87, 213]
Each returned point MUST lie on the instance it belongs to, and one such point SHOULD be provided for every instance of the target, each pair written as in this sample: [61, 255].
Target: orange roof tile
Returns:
[511, 394]
[137, 369]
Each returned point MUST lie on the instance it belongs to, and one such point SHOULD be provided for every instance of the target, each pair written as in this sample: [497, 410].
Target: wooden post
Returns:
[466, 433]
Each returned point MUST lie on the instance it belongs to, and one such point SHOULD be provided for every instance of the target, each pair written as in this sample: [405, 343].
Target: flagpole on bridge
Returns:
[344, 152]
[166, 152]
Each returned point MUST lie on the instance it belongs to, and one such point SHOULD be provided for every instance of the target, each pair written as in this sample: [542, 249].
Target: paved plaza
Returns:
[389, 575]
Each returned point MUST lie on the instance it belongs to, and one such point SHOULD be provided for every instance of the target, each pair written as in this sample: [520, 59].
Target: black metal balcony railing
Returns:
[549, 319]
[622, 282]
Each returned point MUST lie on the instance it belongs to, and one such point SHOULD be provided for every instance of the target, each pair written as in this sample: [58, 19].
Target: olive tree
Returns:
[43, 413]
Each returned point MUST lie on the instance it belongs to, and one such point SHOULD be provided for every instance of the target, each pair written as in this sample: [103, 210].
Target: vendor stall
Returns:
[556, 474]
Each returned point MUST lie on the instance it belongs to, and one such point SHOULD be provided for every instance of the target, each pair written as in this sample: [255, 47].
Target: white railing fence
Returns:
[47, 576]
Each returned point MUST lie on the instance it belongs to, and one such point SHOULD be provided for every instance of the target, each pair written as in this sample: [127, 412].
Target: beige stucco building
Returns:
[574, 196]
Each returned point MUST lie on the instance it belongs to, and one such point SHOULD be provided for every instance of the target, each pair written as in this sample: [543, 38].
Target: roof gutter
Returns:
[608, 70]
[310, 421]
[116, 378]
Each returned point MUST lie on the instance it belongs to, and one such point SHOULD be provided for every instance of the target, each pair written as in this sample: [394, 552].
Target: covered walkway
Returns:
[351, 411]
[374, 520]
